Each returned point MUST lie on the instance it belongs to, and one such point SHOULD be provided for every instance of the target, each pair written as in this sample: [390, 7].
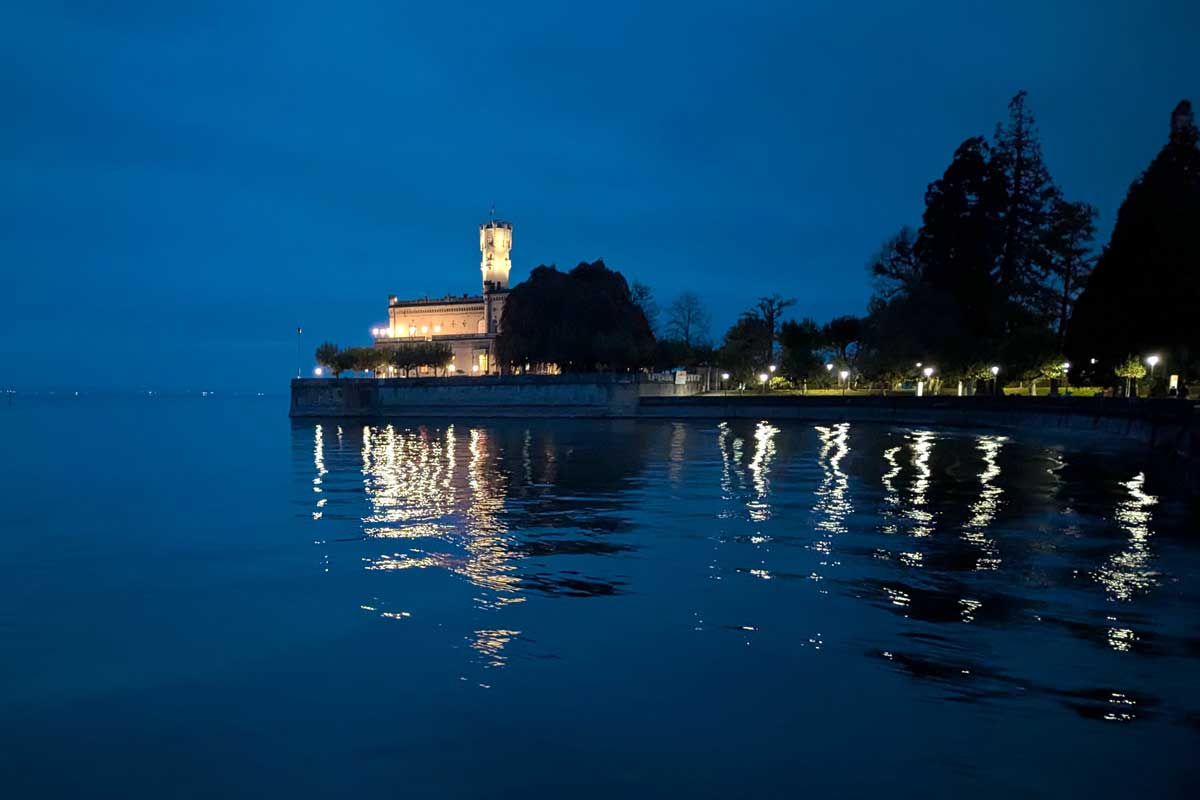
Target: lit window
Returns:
[424, 329]
[437, 328]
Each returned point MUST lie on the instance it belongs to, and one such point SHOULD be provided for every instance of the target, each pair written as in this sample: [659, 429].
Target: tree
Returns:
[1071, 229]
[1144, 293]
[643, 298]
[687, 320]
[1029, 194]
[326, 356]
[581, 321]
[800, 343]
[1131, 369]
[842, 333]
[745, 346]
[895, 269]
[957, 244]
[770, 311]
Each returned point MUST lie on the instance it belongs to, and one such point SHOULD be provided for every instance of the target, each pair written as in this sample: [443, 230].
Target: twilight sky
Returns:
[185, 182]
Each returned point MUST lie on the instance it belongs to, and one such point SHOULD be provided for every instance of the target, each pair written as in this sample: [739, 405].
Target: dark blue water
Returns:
[200, 599]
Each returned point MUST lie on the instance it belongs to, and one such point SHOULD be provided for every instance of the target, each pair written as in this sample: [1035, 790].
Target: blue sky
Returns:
[184, 183]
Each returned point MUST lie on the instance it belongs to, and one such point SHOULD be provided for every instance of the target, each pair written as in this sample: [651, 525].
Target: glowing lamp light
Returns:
[927, 371]
[995, 371]
[829, 367]
[771, 368]
[474, 368]
[844, 374]
[724, 376]
[451, 366]
[317, 372]
[1066, 366]
[762, 377]
[1152, 360]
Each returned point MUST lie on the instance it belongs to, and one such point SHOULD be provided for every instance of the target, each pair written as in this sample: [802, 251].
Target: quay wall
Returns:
[542, 396]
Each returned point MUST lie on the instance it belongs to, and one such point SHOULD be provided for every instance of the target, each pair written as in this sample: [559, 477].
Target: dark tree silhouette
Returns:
[895, 268]
[687, 320]
[745, 347]
[1029, 194]
[1144, 293]
[801, 343]
[841, 334]
[643, 298]
[770, 311]
[581, 321]
[1072, 228]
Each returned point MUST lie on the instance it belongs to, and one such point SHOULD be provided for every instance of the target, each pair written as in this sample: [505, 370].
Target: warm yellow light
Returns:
[437, 328]
[424, 329]
[762, 377]
[474, 368]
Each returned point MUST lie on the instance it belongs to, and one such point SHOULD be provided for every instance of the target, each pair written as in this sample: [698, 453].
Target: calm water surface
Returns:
[201, 598]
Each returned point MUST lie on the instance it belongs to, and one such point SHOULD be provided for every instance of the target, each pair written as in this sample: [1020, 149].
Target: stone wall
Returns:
[483, 396]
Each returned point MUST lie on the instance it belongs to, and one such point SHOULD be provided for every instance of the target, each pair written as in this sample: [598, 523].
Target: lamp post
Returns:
[927, 372]
[1066, 368]
[762, 378]
[298, 346]
[724, 381]
[843, 375]
[1153, 362]
[995, 371]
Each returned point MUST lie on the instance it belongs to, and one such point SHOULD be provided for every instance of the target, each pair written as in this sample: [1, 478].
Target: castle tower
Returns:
[495, 242]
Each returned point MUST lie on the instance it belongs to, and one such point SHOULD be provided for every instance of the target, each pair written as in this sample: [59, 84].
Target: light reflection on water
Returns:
[916, 530]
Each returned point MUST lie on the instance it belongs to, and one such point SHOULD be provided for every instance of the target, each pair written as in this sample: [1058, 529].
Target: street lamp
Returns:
[771, 368]
[1153, 362]
[829, 367]
[843, 375]
[995, 371]
[762, 378]
[317, 372]
[921, 384]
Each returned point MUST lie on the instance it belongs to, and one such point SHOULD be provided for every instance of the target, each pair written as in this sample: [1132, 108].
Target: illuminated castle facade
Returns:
[468, 323]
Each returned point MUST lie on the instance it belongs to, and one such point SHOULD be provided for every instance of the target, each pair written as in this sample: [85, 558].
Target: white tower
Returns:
[495, 242]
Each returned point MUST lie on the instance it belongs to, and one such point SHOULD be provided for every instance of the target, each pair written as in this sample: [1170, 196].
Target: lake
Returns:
[202, 598]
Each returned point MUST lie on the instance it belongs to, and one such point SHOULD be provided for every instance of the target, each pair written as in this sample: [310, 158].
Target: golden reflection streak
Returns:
[319, 466]
[833, 496]
[760, 470]
[922, 447]
[1128, 573]
[891, 495]
[984, 509]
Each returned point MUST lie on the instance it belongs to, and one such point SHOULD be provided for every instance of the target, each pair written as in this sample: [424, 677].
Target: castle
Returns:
[468, 324]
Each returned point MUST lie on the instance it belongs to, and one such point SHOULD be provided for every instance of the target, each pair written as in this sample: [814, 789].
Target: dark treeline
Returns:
[404, 359]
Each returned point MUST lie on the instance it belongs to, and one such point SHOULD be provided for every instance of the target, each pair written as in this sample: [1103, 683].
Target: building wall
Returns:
[423, 320]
